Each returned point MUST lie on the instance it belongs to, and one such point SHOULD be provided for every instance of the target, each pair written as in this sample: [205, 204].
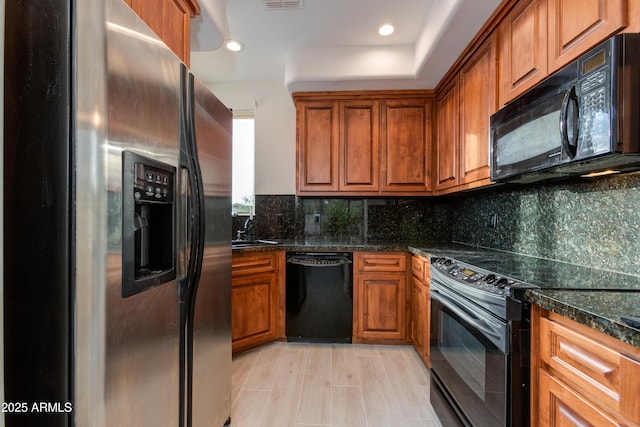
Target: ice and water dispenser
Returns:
[148, 219]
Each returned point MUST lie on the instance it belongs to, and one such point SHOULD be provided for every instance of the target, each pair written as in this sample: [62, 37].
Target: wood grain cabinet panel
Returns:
[318, 146]
[380, 297]
[170, 20]
[560, 406]
[478, 101]
[406, 143]
[364, 143]
[446, 173]
[420, 307]
[257, 298]
[359, 145]
[523, 48]
[579, 374]
[577, 25]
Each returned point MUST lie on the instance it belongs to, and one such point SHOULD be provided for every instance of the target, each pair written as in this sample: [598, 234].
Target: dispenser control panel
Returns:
[152, 184]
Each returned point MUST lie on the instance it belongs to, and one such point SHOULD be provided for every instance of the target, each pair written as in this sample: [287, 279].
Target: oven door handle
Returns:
[493, 331]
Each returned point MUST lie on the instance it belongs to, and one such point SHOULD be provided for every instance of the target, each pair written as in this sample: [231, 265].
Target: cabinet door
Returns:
[170, 20]
[406, 145]
[253, 311]
[417, 316]
[577, 25]
[523, 48]
[359, 145]
[447, 138]
[381, 313]
[478, 92]
[317, 145]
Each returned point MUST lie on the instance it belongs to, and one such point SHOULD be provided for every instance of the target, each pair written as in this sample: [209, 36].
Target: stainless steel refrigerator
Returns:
[117, 234]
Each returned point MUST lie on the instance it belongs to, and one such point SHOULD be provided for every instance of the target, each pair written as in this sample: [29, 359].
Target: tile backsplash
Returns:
[593, 223]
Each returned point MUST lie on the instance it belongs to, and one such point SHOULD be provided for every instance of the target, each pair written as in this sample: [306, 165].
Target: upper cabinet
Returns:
[170, 20]
[359, 145]
[464, 108]
[478, 97]
[406, 145]
[577, 25]
[373, 143]
[523, 48]
[538, 37]
[446, 168]
[318, 129]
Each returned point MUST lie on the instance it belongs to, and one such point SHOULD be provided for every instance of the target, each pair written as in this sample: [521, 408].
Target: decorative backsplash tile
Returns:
[592, 223]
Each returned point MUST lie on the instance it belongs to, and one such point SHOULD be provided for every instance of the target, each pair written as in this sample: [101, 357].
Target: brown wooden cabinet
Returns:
[478, 101]
[464, 109]
[538, 37]
[420, 307]
[406, 145]
[318, 129]
[359, 145]
[523, 48]
[379, 296]
[372, 143]
[580, 376]
[257, 299]
[577, 25]
[170, 20]
[446, 170]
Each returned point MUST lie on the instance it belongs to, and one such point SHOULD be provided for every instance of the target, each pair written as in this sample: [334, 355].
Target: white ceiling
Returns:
[332, 44]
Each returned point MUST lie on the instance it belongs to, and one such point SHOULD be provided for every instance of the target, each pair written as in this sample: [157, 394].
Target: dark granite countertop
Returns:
[600, 310]
[593, 297]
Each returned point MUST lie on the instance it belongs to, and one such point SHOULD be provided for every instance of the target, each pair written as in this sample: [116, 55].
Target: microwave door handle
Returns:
[569, 105]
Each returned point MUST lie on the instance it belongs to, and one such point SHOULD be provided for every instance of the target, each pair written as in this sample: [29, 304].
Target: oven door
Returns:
[469, 358]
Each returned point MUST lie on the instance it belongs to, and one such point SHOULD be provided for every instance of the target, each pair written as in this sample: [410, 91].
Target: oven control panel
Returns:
[477, 278]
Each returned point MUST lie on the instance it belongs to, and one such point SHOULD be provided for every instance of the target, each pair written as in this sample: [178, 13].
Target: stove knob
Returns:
[502, 282]
[490, 278]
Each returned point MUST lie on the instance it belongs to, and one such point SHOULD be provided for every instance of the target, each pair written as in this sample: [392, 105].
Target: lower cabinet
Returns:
[420, 307]
[380, 296]
[580, 376]
[257, 301]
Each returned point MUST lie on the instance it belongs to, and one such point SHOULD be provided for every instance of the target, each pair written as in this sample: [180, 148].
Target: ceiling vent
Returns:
[282, 4]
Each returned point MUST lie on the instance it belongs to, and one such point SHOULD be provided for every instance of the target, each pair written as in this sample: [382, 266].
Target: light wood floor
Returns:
[296, 384]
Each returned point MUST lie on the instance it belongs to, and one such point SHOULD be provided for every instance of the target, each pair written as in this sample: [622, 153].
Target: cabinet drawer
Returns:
[420, 268]
[244, 264]
[597, 368]
[387, 262]
[561, 406]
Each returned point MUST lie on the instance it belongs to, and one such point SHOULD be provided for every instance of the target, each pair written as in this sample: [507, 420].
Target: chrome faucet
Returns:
[245, 229]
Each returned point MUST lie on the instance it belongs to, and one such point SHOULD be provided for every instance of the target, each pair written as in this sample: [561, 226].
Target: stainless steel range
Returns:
[479, 346]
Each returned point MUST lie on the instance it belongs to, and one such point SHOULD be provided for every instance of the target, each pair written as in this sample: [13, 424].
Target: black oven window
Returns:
[465, 354]
[472, 368]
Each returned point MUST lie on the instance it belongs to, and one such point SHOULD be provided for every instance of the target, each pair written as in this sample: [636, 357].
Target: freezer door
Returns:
[211, 357]
[142, 357]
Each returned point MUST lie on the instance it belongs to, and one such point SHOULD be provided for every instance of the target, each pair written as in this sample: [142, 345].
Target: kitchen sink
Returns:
[243, 243]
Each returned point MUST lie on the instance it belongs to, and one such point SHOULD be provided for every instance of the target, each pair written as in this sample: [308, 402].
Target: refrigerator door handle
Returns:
[186, 163]
[197, 238]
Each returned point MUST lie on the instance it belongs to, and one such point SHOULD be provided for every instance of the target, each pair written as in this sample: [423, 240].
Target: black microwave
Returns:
[583, 119]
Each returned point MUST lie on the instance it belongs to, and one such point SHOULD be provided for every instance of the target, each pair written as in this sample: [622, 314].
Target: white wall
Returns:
[275, 121]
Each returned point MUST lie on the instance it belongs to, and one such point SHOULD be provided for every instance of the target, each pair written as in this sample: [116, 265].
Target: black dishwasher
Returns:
[319, 297]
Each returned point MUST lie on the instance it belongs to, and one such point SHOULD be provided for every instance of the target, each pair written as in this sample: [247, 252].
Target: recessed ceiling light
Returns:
[233, 45]
[385, 29]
